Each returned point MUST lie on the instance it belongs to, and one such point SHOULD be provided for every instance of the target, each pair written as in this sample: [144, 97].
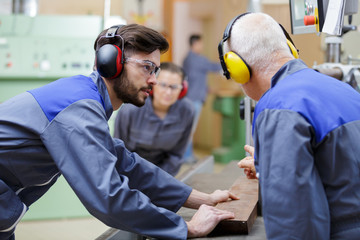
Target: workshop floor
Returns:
[79, 229]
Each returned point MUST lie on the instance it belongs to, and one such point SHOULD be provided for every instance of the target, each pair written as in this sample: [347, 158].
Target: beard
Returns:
[126, 91]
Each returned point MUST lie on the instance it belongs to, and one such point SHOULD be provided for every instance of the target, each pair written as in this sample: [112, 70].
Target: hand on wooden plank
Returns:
[205, 220]
[248, 163]
[219, 196]
[245, 209]
[197, 198]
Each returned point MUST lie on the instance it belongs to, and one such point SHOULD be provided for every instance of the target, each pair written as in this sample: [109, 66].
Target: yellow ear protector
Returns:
[233, 65]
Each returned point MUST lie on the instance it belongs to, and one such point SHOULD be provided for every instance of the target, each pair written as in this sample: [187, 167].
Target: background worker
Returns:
[61, 129]
[160, 130]
[306, 133]
[197, 67]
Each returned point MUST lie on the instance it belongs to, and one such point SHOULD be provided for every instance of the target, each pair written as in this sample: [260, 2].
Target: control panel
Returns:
[307, 16]
[47, 46]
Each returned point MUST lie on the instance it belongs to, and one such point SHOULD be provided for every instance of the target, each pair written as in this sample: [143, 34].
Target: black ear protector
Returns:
[233, 65]
[110, 58]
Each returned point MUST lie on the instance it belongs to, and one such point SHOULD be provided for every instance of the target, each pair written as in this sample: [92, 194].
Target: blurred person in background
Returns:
[197, 67]
[159, 131]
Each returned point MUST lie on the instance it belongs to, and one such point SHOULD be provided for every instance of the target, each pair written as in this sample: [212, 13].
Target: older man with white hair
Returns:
[306, 133]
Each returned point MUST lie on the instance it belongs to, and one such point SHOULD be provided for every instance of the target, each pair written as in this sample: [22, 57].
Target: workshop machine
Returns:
[327, 17]
[37, 50]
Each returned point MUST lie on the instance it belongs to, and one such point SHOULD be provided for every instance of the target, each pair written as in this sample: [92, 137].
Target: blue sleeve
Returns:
[294, 203]
[116, 186]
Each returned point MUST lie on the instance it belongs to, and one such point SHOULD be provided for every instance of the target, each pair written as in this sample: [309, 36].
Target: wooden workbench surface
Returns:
[208, 183]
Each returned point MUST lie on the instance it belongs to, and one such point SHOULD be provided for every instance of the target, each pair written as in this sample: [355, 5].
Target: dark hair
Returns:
[194, 38]
[171, 67]
[137, 38]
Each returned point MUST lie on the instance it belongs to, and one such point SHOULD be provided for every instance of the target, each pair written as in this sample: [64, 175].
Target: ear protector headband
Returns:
[294, 51]
[233, 65]
[110, 58]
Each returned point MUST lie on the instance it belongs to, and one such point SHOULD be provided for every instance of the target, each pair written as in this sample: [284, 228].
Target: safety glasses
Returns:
[172, 87]
[147, 66]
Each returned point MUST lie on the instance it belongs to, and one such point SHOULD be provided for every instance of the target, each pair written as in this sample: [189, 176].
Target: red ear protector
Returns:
[183, 92]
[185, 85]
[233, 65]
[110, 58]
[184, 89]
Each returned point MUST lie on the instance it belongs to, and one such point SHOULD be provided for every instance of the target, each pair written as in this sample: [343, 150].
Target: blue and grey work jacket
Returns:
[307, 148]
[61, 128]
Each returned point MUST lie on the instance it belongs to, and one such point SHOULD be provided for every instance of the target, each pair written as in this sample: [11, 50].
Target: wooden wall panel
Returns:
[78, 7]
[308, 44]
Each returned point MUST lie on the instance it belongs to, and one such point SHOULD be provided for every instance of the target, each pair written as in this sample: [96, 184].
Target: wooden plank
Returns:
[245, 208]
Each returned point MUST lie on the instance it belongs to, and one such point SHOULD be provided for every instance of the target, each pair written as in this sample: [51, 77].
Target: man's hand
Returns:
[248, 163]
[197, 198]
[221, 196]
[205, 220]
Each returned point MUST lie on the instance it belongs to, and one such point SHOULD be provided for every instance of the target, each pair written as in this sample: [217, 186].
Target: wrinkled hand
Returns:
[205, 220]
[221, 196]
[248, 163]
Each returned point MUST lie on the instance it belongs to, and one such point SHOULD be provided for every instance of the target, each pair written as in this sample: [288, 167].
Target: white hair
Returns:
[258, 39]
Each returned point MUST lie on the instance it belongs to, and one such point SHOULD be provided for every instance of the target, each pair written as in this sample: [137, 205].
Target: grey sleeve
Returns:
[103, 174]
[175, 159]
[163, 189]
[294, 203]
[212, 66]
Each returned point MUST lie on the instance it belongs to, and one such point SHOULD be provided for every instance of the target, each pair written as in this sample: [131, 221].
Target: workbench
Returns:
[205, 182]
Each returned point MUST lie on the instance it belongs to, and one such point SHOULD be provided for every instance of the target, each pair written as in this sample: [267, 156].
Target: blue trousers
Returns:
[11, 211]
[8, 235]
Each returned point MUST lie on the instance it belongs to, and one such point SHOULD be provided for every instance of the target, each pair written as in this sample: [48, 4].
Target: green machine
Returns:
[35, 51]
[233, 129]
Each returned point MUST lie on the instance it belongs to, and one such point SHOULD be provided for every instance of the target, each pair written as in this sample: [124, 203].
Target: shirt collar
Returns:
[103, 92]
[288, 68]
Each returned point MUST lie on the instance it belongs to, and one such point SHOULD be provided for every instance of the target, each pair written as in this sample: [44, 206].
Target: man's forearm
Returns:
[197, 198]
